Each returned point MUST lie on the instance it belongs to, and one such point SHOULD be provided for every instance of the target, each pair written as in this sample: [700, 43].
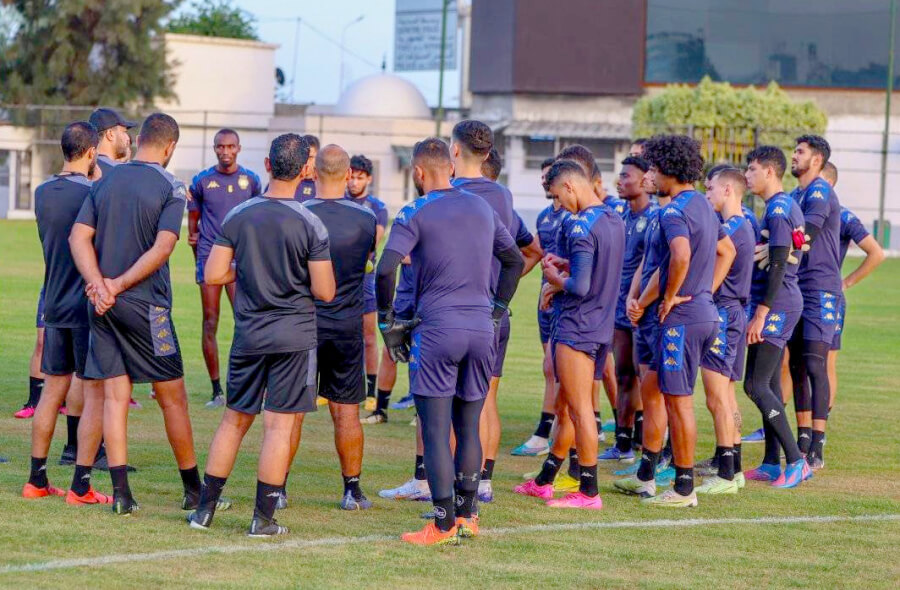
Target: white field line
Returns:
[104, 560]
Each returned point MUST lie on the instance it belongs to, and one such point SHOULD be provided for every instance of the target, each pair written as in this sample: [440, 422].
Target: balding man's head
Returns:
[332, 171]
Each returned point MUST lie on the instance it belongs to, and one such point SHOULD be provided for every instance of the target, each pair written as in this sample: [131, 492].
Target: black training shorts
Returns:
[284, 381]
[342, 369]
[65, 350]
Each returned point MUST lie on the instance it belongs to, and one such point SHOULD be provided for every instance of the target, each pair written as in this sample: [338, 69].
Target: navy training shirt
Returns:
[783, 216]
[599, 231]
[690, 215]
[735, 289]
[452, 236]
[852, 229]
[106, 164]
[57, 203]
[820, 269]
[351, 240]
[273, 241]
[128, 208]
[636, 226]
[214, 194]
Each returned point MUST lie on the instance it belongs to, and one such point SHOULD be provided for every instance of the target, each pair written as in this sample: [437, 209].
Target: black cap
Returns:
[104, 119]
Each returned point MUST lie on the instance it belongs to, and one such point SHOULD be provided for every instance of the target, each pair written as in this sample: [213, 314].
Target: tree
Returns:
[216, 18]
[729, 122]
[87, 52]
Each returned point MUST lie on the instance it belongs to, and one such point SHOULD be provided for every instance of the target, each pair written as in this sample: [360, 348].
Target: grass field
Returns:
[525, 544]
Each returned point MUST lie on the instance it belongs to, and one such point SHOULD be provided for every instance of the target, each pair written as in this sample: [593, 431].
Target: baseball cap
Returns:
[104, 119]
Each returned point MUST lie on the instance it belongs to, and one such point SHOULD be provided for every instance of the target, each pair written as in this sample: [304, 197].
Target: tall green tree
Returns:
[215, 18]
[87, 52]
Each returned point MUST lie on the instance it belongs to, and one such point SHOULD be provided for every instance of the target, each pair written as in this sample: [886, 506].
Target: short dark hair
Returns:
[547, 163]
[159, 129]
[431, 151]
[77, 139]
[492, 166]
[476, 136]
[732, 175]
[312, 141]
[818, 145]
[226, 131]
[638, 162]
[580, 154]
[287, 155]
[716, 169]
[769, 156]
[561, 169]
[361, 163]
[641, 141]
[831, 170]
[677, 156]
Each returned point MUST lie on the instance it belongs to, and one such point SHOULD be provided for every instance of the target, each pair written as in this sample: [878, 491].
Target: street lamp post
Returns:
[343, 35]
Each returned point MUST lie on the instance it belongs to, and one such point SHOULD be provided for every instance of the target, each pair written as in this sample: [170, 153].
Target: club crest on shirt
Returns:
[641, 224]
[243, 182]
[212, 184]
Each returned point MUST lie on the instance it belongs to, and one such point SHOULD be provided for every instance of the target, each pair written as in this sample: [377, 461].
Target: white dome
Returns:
[383, 95]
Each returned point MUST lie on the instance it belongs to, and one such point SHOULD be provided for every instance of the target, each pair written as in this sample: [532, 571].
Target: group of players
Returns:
[663, 277]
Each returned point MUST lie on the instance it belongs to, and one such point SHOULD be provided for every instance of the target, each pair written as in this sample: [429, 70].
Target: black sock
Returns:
[684, 480]
[544, 425]
[623, 438]
[647, 469]
[38, 476]
[573, 471]
[81, 481]
[35, 387]
[488, 470]
[667, 450]
[587, 480]
[615, 416]
[72, 431]
[637, 438]
[726, 462]
[466, 493]
[284, 487]
[212, 490]
[737, 458]
[384, 399]
[444, 514]
[351, 484]
[190, 478]
[216, 387]
[119, 476]
[817, 447]
[804, 439]
[419, 473]
[549, 470]
[266, 498]
[599, 421]
[370, 384]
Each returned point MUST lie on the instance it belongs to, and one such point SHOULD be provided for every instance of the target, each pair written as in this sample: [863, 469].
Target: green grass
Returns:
[861, 479]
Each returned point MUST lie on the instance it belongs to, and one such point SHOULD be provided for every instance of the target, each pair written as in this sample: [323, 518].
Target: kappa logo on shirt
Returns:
[213, 184]
[577, 230]
[779, 210]
[817, 194]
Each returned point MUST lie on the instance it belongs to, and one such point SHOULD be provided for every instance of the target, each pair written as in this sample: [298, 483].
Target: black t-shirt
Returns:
[273, 241]
[56, 205]
[351, 238]
[128, 207]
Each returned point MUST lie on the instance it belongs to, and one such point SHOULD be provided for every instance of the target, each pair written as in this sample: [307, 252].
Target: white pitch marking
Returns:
[494, 532]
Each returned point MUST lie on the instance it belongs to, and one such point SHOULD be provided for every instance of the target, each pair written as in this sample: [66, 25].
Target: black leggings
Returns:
[441, 469]
[809, 374]
[762, 384]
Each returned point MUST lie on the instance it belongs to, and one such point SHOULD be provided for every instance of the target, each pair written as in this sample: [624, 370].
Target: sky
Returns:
[367, 42]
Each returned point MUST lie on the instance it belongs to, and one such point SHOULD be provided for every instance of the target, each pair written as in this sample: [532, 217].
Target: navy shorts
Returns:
[729, 344]
[596, 351]
[622, 321]
[341, 368]
[39, 317]
[284, 381]
[65, 350]
[134, 338]
[779, 326]
[545, 324]
[820, 312]
[679, 351]
[451, 362]
[369, 303]
[646, 337]
[839, 323]
[501, 342]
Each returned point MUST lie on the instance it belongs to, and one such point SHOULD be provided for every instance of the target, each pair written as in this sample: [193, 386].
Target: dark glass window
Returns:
[821, 43]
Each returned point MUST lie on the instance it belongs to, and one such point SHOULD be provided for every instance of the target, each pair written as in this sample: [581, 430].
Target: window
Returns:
[827, 43]
[538, 149]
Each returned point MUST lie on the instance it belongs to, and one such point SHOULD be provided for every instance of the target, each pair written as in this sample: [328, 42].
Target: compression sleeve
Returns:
[579, 281]
[511, 265]
[386, 278]
[778, 256]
